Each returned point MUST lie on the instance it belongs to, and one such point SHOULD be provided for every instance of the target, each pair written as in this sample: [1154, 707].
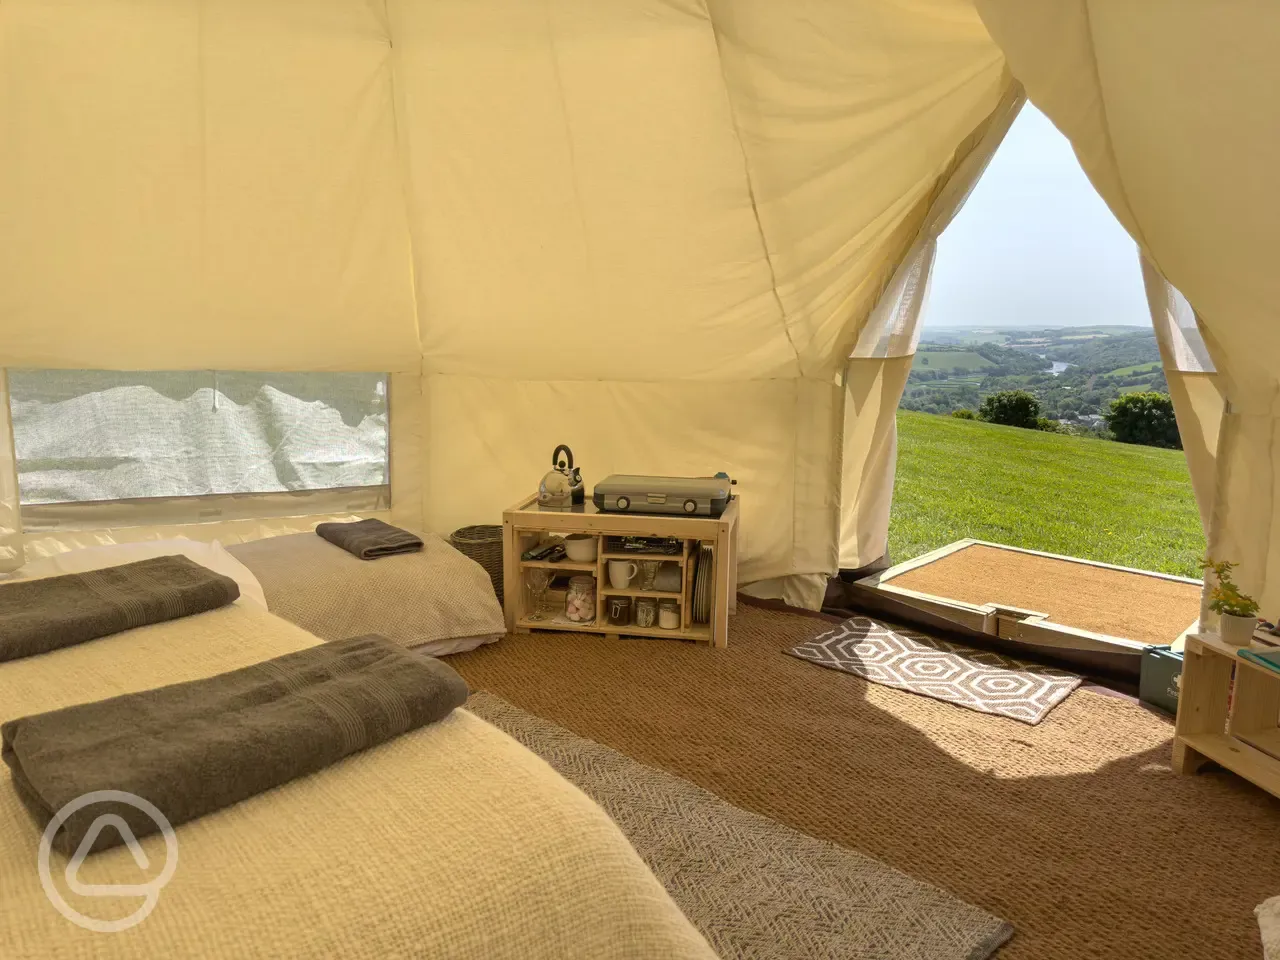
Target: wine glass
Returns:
[539, 582]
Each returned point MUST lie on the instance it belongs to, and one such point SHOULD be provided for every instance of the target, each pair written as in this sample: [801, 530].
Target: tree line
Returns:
[1142, 418]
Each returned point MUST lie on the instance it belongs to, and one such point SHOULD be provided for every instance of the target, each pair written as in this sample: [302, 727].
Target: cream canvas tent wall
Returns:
[654, 229]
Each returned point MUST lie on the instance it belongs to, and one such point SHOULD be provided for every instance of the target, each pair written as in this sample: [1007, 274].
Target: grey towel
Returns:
[192, 748]
[369, 539]
[37, 616]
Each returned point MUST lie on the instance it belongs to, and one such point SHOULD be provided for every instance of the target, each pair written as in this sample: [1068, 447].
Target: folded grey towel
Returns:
[369, 539]
[37, 616]
[192, 748]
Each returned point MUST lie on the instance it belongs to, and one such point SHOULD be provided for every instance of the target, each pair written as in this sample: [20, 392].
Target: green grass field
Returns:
[1138, 368]
[972, 380]
[1096, 499]
[965, 360]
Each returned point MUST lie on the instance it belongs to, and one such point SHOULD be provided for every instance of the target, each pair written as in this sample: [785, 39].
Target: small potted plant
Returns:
[1238, 611]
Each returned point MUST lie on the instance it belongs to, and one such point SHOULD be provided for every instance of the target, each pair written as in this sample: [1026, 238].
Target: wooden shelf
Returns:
[563, 626]
[698, 631]
[1268, 741]
[638, 557]
[1238, 757]
[1214, 643]
[559, 565]
[1220, 689]
[659, 594]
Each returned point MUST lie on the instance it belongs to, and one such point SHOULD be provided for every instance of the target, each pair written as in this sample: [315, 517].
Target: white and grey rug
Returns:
[756, 889]
[977, 679]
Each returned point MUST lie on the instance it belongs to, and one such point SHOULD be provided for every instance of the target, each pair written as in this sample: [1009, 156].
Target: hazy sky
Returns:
[1035, 245]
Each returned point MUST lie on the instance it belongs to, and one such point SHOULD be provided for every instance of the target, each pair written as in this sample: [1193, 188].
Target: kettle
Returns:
[562, 486]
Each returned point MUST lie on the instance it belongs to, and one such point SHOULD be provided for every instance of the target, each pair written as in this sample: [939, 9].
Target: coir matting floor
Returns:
[1074, 830]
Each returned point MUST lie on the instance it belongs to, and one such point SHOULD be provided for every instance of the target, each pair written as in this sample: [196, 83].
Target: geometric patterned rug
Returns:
[756, 889]
[977, 679]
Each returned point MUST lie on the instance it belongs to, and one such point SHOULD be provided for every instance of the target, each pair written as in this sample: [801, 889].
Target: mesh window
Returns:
[83, 435]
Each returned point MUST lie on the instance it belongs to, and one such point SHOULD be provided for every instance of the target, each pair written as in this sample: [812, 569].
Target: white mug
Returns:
[621, 572]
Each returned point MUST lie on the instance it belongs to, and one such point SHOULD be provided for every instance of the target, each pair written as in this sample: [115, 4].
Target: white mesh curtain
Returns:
[878, 368]
[1194, 384]
[11, 553]
[93, 435]
[116, 448]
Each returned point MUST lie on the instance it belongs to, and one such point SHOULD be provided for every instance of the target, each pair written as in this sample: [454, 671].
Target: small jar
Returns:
[580, 601]
[619, 612]
[646, 611]
[669, 615]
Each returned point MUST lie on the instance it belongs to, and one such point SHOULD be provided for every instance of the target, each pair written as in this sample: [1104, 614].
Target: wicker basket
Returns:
[483, 544]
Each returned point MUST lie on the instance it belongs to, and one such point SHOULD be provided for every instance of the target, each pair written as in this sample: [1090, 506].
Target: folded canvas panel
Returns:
[872, 390]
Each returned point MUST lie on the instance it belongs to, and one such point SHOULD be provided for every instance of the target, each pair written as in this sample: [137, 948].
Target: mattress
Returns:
[435, 600]
[451, 841]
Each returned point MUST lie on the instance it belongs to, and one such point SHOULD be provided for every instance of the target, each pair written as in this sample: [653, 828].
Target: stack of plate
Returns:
[704, 585]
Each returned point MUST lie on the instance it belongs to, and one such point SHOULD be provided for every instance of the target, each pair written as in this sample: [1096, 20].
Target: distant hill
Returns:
[1002, 334]
[1074, 371]
[1111, 502]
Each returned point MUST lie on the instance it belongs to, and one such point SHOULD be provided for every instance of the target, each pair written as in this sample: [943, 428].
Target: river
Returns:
[1058, 366]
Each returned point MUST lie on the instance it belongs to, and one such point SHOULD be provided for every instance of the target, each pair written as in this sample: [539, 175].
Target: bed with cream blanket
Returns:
[452, 841]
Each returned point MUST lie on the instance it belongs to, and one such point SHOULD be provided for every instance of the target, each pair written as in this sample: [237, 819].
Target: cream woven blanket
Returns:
[449, 842]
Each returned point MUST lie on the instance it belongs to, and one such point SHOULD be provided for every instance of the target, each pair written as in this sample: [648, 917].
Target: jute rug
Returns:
[1074, 830]
[755, 888]
[976, 679]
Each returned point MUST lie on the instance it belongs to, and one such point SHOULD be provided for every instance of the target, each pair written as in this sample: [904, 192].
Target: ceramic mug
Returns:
[621, 572]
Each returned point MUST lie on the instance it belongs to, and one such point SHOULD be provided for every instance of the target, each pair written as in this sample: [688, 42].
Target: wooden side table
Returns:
[1233, 722]
[524, 525]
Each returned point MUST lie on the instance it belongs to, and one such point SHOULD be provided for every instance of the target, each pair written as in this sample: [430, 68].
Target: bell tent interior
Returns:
[269, 264]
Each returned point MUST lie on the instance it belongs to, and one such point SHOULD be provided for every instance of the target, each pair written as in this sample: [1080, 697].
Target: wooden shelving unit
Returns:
[524, 525]
[638, 557]
[657, 594]
[564, 566]
[1228, 712]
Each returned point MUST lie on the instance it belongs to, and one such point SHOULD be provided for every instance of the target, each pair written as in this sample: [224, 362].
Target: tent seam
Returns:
[751, 191]
[563, 102]
[416, 419]
[773, 279]
[1106, 131]
[405, 166]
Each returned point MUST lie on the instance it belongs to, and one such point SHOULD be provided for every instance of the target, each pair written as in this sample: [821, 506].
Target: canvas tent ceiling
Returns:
[653, 229]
